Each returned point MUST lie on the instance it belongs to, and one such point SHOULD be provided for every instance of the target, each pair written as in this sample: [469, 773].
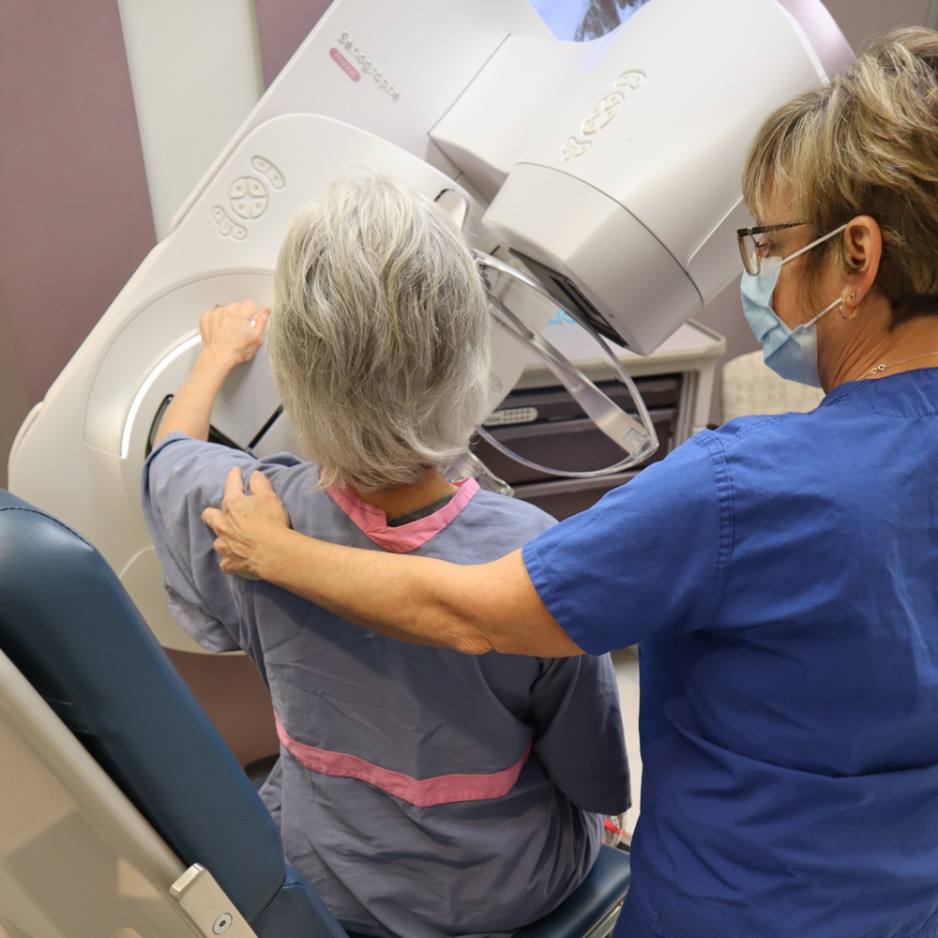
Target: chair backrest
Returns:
[76, 652]
[749, 386]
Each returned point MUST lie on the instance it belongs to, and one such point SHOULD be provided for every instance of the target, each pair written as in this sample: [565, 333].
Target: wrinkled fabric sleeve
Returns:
[180, 478]
[579, 737]
[650, 558]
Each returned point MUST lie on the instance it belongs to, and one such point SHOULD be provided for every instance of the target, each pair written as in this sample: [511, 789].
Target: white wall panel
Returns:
[195, 71]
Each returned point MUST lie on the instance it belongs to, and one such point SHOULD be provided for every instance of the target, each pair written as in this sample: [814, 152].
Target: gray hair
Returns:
[379, 336]
[864, 144]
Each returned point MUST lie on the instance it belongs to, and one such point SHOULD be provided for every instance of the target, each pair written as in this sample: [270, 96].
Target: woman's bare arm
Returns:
[473, 609]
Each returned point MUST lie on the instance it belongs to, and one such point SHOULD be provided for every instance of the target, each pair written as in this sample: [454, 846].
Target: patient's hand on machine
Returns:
[231, 335]
[248, 528]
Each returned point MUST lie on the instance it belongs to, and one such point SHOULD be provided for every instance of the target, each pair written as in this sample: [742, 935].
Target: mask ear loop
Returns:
[843, 305]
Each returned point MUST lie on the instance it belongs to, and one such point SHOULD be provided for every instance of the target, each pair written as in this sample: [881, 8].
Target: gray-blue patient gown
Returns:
[421, 791]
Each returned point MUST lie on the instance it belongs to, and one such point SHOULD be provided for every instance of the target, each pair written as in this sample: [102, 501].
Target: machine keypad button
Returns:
[248, 197]
[225, 226]
[266, 168]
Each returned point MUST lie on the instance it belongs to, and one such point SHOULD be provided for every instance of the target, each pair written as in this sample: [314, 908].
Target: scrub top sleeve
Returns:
[579, 737]
[650, 558]
[180, 478]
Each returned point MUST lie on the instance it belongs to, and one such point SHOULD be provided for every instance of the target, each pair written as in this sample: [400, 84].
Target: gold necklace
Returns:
[880, 368]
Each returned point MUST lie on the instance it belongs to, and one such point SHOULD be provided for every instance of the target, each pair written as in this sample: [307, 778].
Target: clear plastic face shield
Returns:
[521, 307]
[523, 310]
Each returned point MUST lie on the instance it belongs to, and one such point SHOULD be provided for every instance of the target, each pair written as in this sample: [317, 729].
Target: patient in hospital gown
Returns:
[421, 791]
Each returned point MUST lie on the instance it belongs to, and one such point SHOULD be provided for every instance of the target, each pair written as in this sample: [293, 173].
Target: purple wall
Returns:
[76, 216]
[281, 26]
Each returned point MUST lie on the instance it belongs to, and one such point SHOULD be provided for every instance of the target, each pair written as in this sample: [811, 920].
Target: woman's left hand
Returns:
[232, 334]
[247, 526]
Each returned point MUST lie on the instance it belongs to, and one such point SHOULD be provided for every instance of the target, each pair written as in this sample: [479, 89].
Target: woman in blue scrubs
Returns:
[780, 573]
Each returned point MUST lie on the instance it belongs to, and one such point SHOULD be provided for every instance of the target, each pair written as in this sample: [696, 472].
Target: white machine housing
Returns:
[608, 169]
[620, 189]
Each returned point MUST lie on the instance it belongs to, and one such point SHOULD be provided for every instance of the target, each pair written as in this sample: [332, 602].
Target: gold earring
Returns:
[843, 305]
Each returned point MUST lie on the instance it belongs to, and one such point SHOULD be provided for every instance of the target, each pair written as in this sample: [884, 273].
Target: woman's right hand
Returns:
[247, 526]
[232, 334]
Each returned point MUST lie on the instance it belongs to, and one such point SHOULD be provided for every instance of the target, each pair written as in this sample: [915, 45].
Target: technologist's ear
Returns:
[863, 251]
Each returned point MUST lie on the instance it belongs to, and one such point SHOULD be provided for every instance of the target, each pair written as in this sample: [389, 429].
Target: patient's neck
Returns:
[407, 498]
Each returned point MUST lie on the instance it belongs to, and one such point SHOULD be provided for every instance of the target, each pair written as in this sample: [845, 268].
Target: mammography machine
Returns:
[602, 175]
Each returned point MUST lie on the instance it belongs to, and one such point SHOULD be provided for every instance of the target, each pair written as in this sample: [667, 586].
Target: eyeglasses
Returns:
[755, 247]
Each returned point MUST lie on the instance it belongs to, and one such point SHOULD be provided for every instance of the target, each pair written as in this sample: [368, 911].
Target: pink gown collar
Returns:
[374, 523]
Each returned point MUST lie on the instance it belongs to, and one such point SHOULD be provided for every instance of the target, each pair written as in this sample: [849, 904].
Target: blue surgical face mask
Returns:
[790, 353]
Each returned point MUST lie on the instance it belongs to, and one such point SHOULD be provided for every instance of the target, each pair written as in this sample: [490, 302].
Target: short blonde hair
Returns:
[864, 144]
[379, 336]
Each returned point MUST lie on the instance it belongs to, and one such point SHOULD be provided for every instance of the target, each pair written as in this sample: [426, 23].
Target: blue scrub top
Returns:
[781, 575]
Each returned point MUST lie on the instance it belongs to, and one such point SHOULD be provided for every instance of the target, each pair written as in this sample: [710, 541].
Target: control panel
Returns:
[248, 198]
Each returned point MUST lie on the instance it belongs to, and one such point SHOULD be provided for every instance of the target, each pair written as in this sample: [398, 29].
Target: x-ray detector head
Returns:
[606, 171]
[615, 175]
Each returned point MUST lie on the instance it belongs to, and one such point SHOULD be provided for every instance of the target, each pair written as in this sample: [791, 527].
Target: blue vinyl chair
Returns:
[122, 811]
